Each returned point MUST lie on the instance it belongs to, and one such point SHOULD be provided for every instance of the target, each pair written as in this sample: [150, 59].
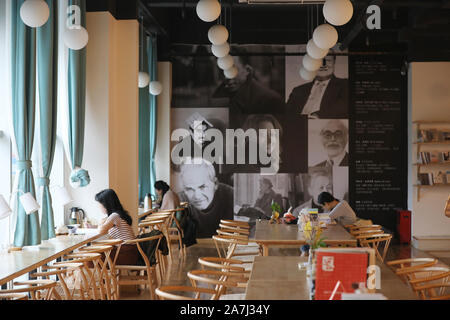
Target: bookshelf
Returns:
[432, 133]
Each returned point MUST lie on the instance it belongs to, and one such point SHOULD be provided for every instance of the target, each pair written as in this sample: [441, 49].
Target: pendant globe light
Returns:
[155, 88]
[226, 62]
[208, 10]
[307, 75]
[220, 50]
[325, 36]
[338, 12]
[75, 36]
[34, 13]
[314, 51]
[218, 34]
[231, 72]
[311, 64]
[144, 77]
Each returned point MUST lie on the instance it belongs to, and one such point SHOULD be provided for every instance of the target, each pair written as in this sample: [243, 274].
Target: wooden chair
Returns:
[13, 296]
[362, 229]
[106, 280]
[145, 275]
[62, 272]
[221, 280]
[374, 241]
[434, 287]
[168, 292]
[85, 284]
[405, 268]
[37, 290]
[224, 264]
[234, 230]
[235, 223]
[175, 231]
[227, 247]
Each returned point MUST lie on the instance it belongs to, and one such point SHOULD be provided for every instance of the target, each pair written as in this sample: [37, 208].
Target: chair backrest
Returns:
[226, 232]
[171, 292]
[226, 245]
[232, 229]
[222, 263]
[404, 267]
[147, 247]
[434, 287]
[220, 279]
[374, 241]
[13, 296]
[235, 223]
[35, 288]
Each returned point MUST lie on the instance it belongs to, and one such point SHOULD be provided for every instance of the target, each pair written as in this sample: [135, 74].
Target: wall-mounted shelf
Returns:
[434, 124]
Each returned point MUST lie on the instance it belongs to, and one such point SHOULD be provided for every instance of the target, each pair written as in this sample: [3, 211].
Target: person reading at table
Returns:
[339, 210]
[117, 225]
[167, 199]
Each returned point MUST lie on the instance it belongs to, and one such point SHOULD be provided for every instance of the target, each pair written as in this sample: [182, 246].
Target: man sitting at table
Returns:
[339, 210]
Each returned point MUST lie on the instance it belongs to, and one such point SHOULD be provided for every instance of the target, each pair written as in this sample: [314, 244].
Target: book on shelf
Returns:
[424, 179]
[427, 157]
[432, 178]
[439, 178]
[433, 135]
[446, 156]
[446, 135]
[435, 157]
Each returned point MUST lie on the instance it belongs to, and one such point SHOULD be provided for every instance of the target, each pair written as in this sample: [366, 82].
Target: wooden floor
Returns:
[178, 269]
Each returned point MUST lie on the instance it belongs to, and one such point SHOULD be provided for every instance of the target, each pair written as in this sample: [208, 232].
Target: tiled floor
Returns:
[177, 273]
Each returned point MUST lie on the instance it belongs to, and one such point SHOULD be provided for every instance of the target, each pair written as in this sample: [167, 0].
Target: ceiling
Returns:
[419, 30]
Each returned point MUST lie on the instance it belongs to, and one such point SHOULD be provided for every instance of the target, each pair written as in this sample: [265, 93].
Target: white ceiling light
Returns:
[307, 75]
[325, 36]
[155, 88]
[311, 64]
[218, 34]
[338, 12]
[220, 50]
[76, 37]
[34, 13]
[144, 79]
[226, 62]
[208, 10]
[314, 51]
[231, 72]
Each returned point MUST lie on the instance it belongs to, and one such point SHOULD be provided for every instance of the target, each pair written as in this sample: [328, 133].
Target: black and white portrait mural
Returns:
[264, 136]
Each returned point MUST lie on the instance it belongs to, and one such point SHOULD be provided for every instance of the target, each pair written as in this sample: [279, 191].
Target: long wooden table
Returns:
[267, 235]
[17, 263]
[279, 278]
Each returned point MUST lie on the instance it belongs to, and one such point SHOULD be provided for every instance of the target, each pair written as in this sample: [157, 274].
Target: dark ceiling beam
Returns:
[152, 26]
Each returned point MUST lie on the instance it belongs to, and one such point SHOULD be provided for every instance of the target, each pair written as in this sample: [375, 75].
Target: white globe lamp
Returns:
[144, 79]
[226, 62]
[307, 75]
[76, 38]
[34, 13]
[220, 50]
[338, 12]
[311, 64]
[155, 88]
[218, 34]
[231, 72]
[314, 51]
[208, 10]
[325, 36]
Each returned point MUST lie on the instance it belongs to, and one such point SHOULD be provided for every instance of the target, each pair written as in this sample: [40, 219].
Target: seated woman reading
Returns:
[118, 226]
[167, 199]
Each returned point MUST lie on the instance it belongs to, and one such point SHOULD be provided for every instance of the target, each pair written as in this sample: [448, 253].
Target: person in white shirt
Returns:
[167, 199]
[339, 210]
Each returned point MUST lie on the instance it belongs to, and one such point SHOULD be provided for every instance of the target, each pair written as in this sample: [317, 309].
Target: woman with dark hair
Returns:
[167, 199]
[118, 226]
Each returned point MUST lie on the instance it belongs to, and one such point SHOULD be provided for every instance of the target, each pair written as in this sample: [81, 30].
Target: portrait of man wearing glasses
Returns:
[334, 138]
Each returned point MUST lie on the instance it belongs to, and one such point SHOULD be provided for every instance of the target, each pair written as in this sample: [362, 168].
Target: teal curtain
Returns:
[47, 61]
[76, 105]
[23, 90]
[144, 125]
[153, 62]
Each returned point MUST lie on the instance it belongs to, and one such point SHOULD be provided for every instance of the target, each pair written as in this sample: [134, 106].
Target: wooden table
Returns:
[267, 235]
[279, 278]
[17, 263]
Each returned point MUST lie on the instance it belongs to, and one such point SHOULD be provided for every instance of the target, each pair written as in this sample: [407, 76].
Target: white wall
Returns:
[429, 99]
[162, 154]
[111, 136]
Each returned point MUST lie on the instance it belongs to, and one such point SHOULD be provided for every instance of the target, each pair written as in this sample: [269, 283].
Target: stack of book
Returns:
[433, 135]
[432, 178]
[434, 157]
